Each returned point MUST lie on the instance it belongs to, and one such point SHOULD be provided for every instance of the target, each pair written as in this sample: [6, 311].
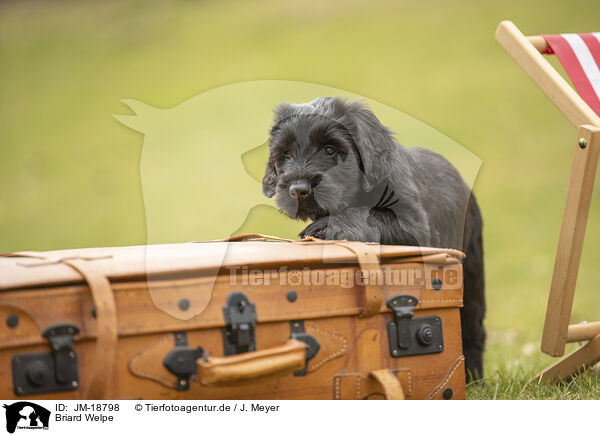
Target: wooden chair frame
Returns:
[557, 331]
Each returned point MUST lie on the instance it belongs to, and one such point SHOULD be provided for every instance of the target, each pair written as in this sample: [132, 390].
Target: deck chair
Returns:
[580, 56]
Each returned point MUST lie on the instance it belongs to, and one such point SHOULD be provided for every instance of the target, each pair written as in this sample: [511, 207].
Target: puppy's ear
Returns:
[269, 181]
[374, 142]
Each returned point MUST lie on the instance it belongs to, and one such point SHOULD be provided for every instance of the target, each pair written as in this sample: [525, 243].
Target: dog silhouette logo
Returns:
[26, 415]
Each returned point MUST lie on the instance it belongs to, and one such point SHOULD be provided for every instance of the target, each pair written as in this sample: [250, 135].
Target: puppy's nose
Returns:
[299, 190]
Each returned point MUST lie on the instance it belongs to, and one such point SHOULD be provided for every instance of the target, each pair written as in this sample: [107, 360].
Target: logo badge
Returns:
[26, 415]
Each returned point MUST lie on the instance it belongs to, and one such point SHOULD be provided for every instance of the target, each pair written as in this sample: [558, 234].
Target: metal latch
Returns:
[312, 345]
[410, 336]
[48, 372]
[181, 361]
[240, 320]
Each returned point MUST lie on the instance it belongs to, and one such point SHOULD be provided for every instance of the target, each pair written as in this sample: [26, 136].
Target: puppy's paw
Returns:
[333, 228]
[318, 229]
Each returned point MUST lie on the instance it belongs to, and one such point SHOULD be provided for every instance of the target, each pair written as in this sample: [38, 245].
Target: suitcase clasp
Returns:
[240, 319]
[48, 372]
[404, 328]
[404, 309]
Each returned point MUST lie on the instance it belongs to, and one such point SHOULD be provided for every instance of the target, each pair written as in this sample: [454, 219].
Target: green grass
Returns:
[70, 173]
[522, 385]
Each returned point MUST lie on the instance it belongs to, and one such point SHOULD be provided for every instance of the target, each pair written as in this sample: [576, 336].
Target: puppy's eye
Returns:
[287, 154]
[330, 150]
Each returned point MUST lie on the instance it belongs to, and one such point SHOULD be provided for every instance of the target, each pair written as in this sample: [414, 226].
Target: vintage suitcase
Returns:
[250, 319]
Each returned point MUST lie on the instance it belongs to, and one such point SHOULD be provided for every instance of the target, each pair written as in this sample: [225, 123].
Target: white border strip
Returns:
[585, 58]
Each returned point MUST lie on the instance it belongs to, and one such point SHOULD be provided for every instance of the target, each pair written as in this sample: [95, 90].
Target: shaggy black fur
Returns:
[333, 162]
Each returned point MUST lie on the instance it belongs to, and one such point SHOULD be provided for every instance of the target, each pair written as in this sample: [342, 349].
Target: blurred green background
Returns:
[70, 173]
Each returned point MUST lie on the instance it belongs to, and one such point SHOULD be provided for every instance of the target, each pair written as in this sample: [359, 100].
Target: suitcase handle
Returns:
[230, 370]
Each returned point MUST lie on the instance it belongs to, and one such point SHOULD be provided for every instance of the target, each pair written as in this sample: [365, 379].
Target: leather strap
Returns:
[260, 236]
[393, 384]
[100, 383]
[390, 384]
[371, 298]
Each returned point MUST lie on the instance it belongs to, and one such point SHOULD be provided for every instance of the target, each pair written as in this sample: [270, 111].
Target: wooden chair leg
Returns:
[570, 241]
[565, 368]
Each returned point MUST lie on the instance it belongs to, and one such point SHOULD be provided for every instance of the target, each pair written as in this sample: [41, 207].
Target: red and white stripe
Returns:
[579, 54]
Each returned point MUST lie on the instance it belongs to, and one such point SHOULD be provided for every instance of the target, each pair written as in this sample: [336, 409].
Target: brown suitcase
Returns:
[252, 319]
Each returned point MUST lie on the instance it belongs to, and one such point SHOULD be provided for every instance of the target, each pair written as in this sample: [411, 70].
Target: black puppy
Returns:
[333, 162]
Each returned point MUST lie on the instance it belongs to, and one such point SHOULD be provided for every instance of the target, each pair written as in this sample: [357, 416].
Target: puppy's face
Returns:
[314, 167]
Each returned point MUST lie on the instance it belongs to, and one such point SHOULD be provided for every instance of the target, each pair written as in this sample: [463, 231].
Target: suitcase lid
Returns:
[149, 283]
[33, 269]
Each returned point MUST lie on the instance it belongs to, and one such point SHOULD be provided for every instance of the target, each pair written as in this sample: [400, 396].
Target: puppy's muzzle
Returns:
[299, 190]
